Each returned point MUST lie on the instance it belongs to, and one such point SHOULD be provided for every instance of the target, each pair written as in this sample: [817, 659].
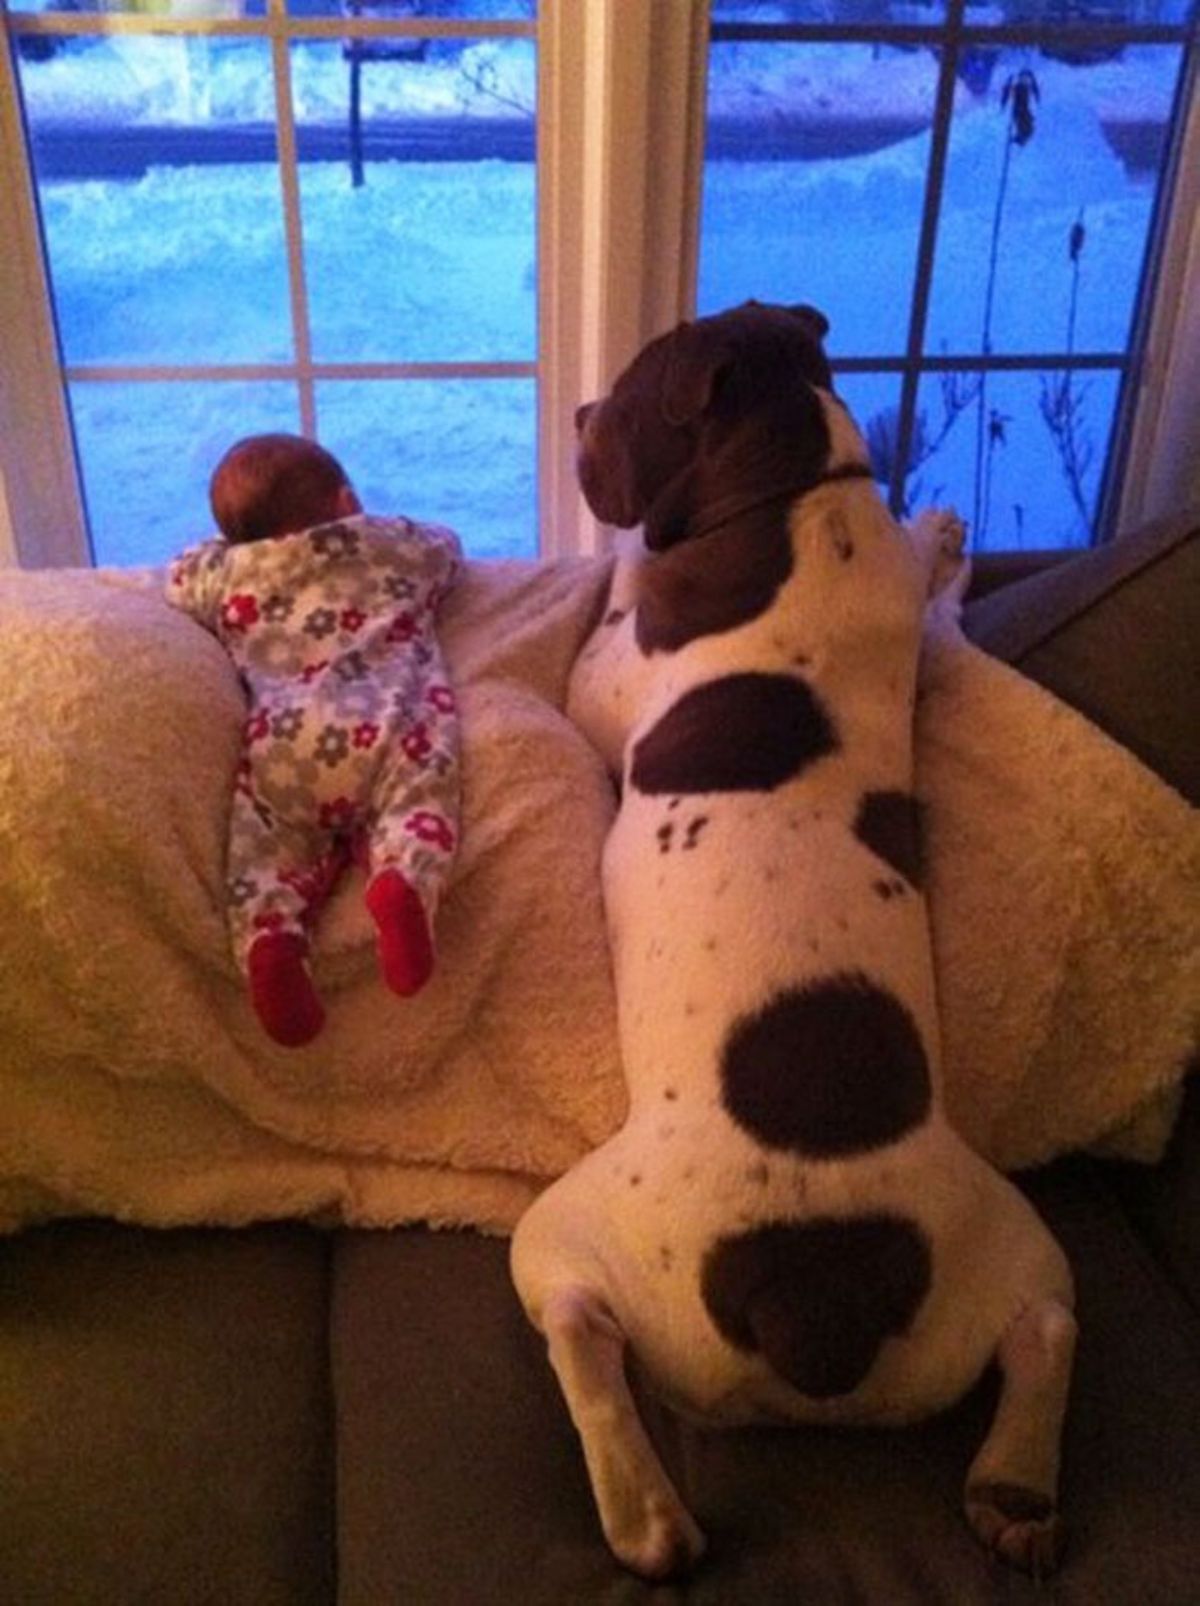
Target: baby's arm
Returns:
[445, 550]
[193, 581]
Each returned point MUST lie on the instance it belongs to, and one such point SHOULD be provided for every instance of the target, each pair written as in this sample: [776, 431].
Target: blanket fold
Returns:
[135, 1082]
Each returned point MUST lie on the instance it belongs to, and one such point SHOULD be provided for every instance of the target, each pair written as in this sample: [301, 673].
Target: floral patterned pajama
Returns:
[351, 743]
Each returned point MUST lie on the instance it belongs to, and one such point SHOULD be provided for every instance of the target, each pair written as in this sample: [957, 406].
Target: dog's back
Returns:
[785, 1174]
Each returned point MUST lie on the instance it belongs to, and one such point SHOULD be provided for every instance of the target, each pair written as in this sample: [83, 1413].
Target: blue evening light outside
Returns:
[1039, 248]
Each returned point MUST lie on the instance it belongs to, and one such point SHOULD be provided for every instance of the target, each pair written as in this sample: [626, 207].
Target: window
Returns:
[304, 218]
[973, 194]
[603, 167]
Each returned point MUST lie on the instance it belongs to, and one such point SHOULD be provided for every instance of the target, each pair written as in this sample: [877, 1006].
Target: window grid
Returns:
[281, 30]
[950, 38]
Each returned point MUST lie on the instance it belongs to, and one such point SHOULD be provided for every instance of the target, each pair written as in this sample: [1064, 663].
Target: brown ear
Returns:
[694, 358]
[813, 319]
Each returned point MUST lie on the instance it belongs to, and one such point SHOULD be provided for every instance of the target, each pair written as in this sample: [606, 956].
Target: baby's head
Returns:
[269, 485]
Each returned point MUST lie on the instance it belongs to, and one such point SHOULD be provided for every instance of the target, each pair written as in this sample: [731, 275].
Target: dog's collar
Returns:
[845, 471]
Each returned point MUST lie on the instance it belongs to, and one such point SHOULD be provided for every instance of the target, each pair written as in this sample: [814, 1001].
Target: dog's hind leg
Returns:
[1012, 1487]
[645, 1522]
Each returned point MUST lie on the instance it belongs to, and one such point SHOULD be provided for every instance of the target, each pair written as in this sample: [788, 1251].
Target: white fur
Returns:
[776, 894]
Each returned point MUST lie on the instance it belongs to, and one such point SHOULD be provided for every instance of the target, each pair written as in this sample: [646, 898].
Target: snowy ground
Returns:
[437, 261]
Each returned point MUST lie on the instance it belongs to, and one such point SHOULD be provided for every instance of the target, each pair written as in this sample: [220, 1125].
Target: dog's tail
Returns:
[818, 1298]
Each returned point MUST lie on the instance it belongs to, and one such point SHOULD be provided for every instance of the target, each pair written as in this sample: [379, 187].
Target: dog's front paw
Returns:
[655, 1537]
[1020, 1526]
[939, 538]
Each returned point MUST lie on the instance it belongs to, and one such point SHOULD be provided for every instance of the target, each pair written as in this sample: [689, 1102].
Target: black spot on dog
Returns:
[702, 588]
[615, 615]
[694, 829]
[827, 1070]
[664, 835]
[839, 532]
[818, 1298]
[887, 890]
[742, 733]
[889, 823]
[670, 1093]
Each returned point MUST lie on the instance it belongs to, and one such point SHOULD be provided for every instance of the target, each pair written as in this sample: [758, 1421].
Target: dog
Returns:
[785, 1228]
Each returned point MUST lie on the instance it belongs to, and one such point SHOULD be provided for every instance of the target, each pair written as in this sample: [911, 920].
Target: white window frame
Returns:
[622, 89]
[620, 130]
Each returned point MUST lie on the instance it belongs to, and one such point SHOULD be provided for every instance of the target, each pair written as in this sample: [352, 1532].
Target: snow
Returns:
[435, 261]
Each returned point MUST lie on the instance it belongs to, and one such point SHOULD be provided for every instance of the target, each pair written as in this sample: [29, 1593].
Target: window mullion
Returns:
[289, 180]
[919, 314]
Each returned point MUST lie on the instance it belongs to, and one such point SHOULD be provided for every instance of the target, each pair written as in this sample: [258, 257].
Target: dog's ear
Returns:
[813, 319]
[694, 357]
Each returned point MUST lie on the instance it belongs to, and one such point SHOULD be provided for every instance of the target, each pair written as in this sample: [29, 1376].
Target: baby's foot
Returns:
[405, 943]
[281, 988]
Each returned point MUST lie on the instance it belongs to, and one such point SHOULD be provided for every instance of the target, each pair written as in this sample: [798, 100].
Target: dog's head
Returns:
[729, 406]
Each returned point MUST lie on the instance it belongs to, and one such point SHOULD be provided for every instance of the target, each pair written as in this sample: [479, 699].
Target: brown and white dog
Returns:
[785, 1228]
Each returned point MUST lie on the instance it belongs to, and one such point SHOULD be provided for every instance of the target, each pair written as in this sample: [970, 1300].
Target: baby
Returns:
[351, 744]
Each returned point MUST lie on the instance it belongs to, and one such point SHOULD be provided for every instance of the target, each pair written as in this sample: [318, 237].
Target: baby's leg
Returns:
[412, 838]
[277, 879]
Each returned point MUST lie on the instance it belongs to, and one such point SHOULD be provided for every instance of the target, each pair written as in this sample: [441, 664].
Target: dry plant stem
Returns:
[980, 510]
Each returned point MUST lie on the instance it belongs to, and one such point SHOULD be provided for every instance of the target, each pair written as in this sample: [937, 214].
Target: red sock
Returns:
[281, 989]
[405, 944]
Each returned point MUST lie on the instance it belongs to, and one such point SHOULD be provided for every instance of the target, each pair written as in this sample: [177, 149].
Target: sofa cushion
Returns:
[1115, 633]
[460, 1478]
[166, 1426]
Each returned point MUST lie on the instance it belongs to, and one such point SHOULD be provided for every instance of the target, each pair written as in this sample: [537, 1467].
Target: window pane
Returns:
[1019, 455]
[432, 256]
[814, 183]
[415, 10]
[166, 8]
[147, 451]
[874, 402]
[457, 452]
[1066, 16]
[827, 12]
[1050, 186]
[150, 257]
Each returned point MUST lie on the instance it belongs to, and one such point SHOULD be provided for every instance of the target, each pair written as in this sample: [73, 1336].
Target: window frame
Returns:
[1154, 390]
[620, 145]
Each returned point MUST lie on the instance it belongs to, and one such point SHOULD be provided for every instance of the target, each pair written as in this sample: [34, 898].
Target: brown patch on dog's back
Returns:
[828, 1070]
[741, 733]
[716, 583]
[889, 823]
[818, 1298]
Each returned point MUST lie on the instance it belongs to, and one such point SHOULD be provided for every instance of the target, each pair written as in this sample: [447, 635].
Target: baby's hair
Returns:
[268, 485]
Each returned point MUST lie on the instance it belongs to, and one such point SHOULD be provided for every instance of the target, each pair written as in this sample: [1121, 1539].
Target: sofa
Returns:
[289, 1412]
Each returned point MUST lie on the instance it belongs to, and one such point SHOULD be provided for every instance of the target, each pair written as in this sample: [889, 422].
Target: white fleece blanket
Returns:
[135, 1083]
